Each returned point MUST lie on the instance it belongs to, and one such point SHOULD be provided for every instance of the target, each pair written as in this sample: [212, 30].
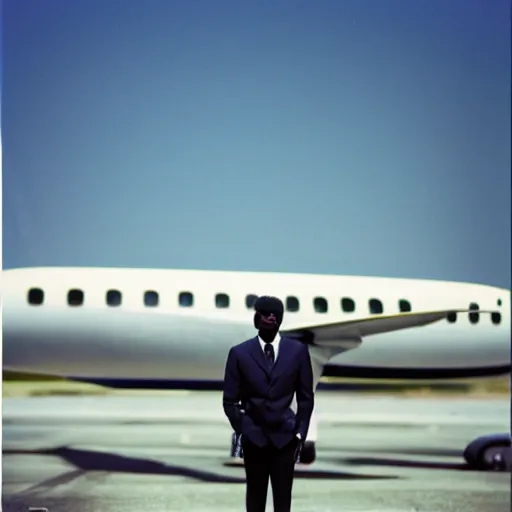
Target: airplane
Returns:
[172, 329]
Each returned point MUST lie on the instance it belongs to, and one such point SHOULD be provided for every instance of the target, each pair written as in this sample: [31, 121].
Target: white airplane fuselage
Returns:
[171, 328]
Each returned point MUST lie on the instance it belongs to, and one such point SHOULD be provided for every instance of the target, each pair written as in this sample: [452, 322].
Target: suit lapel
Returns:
[258, 355]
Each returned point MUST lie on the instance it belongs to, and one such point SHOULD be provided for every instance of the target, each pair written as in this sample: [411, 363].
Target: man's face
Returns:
[268, 320]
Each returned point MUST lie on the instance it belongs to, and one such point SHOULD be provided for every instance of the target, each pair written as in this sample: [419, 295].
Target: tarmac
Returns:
[168, 452]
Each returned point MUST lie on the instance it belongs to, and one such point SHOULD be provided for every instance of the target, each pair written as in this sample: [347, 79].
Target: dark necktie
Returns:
[269, 353]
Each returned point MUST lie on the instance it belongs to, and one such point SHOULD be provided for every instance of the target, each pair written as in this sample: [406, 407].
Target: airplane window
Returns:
[496, 317]
[292, 304]
[35, 296]
[114, 298]
[75, 297]
[151, 298]
[375, 306]
[221, 300]
[250, 300]
[404, 305]
[320, 305]
[451, 317]
[348, 305]
[186, 299]
[499, 302]
[474, 317]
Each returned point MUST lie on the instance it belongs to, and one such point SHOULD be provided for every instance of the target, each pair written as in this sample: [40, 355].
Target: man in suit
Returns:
[262, 376]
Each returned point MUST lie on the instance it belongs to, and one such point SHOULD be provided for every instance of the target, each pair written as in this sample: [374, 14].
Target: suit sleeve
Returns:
[305, 393]
[231, 394]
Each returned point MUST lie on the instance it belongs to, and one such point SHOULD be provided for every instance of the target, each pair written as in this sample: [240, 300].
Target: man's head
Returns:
[269, 314]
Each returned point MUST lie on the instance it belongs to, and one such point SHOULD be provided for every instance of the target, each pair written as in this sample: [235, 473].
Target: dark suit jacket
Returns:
[257, 399]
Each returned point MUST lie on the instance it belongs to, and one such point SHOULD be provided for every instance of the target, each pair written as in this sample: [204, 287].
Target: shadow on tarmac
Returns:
[407, 463]
[389, 460]
[89, 460]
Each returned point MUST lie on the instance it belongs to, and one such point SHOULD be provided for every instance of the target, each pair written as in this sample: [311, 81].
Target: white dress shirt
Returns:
[275, 344]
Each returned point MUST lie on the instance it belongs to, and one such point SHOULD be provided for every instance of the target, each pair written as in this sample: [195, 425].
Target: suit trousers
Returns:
[278, 464]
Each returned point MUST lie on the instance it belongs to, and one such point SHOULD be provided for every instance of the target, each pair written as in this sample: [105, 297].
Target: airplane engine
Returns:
[308, 453]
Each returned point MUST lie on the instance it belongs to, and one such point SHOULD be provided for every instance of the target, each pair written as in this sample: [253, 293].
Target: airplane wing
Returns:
[322, 334]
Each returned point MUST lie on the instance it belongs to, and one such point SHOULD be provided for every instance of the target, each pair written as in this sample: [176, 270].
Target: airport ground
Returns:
[97, 451]
[22, 384]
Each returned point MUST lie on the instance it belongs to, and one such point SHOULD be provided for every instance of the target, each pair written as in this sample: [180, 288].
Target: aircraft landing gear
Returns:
[490, 453]
[308, 453]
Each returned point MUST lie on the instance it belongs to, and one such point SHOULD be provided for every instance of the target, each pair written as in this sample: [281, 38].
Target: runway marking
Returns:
[53, 482]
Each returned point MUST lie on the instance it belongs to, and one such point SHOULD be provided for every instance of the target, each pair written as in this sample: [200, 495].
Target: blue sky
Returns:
[348, 137]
